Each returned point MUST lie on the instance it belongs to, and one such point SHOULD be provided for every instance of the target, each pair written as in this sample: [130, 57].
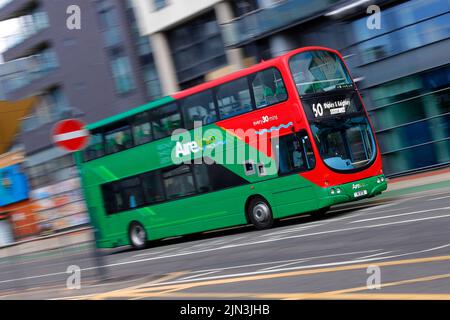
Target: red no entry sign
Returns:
[70, 135]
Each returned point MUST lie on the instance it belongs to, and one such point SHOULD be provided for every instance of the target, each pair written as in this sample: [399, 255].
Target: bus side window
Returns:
[165, 120]
[142, 130]
[179, 182]
[95, 149]
[234, 98]
[268, 88]
[132, 192]
[199, 108]
[112, 198]
[118, 138]
[294, 153]
[153, 187]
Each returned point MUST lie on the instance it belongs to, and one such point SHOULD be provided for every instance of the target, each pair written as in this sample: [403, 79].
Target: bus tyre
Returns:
[321, 213]
[260, 214]
[137, 236]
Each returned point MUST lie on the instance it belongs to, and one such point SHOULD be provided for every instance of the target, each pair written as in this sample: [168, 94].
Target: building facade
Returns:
[401, 66]
[188, 40]
[102, 68]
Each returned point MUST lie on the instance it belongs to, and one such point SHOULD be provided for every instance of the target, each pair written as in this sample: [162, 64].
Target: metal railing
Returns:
[28, 26]
[4, 3]
[262, 21]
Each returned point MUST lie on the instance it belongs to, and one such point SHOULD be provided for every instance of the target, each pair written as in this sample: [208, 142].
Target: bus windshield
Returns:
[346, 144]
[319, 71]
[335, 112]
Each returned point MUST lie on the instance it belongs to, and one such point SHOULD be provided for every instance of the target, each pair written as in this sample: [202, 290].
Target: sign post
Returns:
[71, 135]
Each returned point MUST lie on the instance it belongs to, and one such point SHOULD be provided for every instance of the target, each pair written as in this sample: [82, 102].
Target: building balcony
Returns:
[4, 3]
[261, 22]
[12, 8]
[29, 75]
[29, 35]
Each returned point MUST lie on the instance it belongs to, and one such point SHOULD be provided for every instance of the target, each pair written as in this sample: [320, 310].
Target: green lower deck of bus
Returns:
[227, 208]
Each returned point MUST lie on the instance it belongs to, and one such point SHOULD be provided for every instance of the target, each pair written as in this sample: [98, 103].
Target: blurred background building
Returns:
[130, 52]
[402, 68]
[102, 69]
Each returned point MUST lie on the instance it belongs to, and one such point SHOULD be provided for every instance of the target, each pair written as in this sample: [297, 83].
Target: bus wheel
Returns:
[260, 213]
[137, 235]
[321, 213]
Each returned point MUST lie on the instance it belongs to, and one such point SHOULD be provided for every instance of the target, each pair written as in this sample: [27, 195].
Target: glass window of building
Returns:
[151, 80]
[122, 74]
[406, 26]
[197, 47]
[411, 116]
[268, 88]
[199, 108]
[159, 4]
[234, 98]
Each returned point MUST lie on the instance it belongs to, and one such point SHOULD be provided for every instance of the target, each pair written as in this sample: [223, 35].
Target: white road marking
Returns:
[285, 261]
[364, 213]
[331, 264]
[290, 230]
[240, 245]
[199, 275]
[148, 254]
[374, 255]
[440, 198]
[286, 264]
[400, 215]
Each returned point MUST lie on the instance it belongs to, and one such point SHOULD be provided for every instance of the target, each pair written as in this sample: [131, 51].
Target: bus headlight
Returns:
[332, 191]
[378, 180]
[338, 191]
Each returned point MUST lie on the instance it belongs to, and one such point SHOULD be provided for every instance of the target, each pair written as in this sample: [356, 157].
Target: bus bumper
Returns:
[355, 190]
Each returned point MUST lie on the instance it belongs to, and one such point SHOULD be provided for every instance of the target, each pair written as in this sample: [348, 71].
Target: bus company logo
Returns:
[356, 186]
[185, 149]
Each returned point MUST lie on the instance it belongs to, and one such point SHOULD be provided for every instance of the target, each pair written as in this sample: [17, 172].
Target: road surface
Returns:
[403, 241]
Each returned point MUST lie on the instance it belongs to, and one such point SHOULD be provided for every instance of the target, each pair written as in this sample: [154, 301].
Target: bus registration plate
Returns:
[360, 193]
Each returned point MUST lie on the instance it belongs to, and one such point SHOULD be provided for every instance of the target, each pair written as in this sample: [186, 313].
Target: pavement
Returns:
[396, 246]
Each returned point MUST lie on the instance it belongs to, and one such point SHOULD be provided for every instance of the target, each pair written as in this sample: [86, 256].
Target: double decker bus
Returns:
[284, 137]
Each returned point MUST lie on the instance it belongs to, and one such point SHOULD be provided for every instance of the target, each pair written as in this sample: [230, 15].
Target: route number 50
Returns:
[318, 110]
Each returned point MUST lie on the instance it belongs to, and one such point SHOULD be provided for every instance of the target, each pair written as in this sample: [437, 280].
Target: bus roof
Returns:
[201, 87]
[129, 113]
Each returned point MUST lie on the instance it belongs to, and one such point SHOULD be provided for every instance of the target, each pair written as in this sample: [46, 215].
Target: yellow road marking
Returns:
[338, 294]
[292, 273]
[149, 290]
[125, 291]
[390, 284]
[293, 296]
